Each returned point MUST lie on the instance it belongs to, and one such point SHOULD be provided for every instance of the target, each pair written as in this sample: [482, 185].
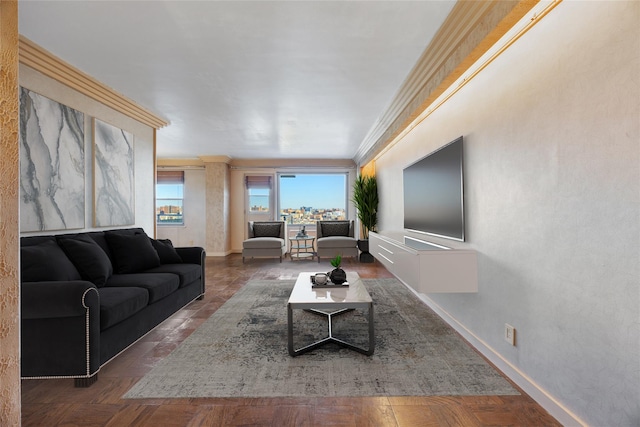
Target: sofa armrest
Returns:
[45, 300]
[194, 255]
[191, 254]
[60, 329]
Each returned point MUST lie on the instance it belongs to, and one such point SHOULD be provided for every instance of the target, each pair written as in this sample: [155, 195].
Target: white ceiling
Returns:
[245, 79]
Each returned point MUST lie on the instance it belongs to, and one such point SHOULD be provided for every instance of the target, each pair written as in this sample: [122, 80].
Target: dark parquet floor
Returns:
[59, 403]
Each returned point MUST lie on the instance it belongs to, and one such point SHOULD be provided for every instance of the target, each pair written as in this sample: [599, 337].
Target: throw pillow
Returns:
[266, 229]
[166, 251]
[91, 261]
[132, 253]
[336, 228]
[46, 261]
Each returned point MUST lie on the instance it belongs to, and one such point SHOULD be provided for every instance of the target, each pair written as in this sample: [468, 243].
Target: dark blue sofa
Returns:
[86, 297]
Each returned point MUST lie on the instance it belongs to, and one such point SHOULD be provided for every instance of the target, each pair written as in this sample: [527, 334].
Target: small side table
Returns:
[302, 247]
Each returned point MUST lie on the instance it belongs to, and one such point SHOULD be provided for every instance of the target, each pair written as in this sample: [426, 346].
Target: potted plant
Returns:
[337, 275]
[365, 199]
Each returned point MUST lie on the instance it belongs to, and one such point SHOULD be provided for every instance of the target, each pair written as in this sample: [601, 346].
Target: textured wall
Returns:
[218, 224]
[9, 290]
[552, 198]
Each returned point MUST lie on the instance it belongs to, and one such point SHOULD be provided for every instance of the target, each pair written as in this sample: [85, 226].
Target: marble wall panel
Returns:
[52, 166]
[113, 176]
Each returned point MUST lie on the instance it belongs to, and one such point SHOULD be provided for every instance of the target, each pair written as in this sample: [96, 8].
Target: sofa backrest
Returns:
[334, 228]
[52, 257]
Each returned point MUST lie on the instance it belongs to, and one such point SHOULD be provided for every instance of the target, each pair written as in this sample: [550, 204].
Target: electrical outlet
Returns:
[510, 334]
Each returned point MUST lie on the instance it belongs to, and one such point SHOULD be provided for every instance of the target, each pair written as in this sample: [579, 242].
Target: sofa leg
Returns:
[85, 382]
[243, 260]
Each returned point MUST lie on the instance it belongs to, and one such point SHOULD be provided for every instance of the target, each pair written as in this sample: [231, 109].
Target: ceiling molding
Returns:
[179, 163]
[469, 31]
[41, 60]
[215, 159]
[293, 163]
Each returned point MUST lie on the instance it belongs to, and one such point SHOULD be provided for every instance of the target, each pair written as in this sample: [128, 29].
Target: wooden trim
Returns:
[155, 181]
[34, 56]
[179, 163]
[215, 159]
[292, 163]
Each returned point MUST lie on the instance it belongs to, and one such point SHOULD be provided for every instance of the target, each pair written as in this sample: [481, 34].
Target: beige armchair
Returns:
[265, 239]
[336, 238]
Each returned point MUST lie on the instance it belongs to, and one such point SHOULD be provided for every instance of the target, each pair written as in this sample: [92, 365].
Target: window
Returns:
[259, 193]
[307, 198]
[169, 198]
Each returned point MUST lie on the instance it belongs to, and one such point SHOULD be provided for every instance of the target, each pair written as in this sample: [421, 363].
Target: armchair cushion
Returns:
[263, 243]
[335, 228]
[267, 229]
[336, 242]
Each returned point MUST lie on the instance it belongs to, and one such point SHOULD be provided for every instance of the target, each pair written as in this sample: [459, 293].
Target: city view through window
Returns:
[303, 199]
[307, 198]
[169, 204]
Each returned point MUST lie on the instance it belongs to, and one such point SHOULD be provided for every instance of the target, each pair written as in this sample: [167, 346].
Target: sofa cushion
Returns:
[91, 261]
[337, 242]
[46, 262]
[118, 304]
[263, 243]
[166, 251]
[267, 229]
[131, 253]
[187, 273]
[158, 285]
[335, 228]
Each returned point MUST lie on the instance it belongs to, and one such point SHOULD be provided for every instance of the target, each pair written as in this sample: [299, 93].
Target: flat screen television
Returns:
[434, 193]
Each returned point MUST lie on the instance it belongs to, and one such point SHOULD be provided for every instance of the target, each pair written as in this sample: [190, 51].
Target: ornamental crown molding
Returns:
[41, 60]
[469, 31]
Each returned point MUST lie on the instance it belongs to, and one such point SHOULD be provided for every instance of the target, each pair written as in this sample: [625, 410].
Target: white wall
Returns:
[143, 145]
[552, 198]
[191, 233]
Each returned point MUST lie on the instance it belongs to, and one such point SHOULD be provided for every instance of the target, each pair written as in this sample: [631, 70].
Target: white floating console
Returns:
[426, 267]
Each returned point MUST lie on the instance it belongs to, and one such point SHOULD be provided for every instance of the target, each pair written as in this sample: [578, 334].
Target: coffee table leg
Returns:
[372, 335]
[290, 330]
[330, 338]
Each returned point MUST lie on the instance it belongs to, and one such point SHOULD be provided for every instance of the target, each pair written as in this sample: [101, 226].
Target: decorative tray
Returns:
[327, 285]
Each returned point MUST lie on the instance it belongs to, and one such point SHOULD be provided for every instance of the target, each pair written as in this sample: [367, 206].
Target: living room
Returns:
[551, 194]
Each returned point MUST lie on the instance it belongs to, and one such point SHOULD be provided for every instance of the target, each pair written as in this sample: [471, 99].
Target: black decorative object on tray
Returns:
[337, 275]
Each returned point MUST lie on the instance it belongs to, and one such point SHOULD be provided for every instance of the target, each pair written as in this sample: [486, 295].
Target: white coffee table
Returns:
[329, 302]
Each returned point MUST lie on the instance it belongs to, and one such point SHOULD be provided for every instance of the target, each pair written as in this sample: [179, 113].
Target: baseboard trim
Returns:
[537, 393]
[212, 254]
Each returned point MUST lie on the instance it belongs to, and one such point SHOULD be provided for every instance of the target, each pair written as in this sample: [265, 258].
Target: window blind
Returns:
[170, 177]
[258, 181]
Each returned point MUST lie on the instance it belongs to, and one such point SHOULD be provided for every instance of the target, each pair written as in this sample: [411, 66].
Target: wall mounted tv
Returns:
[434, 193]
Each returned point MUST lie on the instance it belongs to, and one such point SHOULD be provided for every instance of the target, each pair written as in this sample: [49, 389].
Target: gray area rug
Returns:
[241, 351]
